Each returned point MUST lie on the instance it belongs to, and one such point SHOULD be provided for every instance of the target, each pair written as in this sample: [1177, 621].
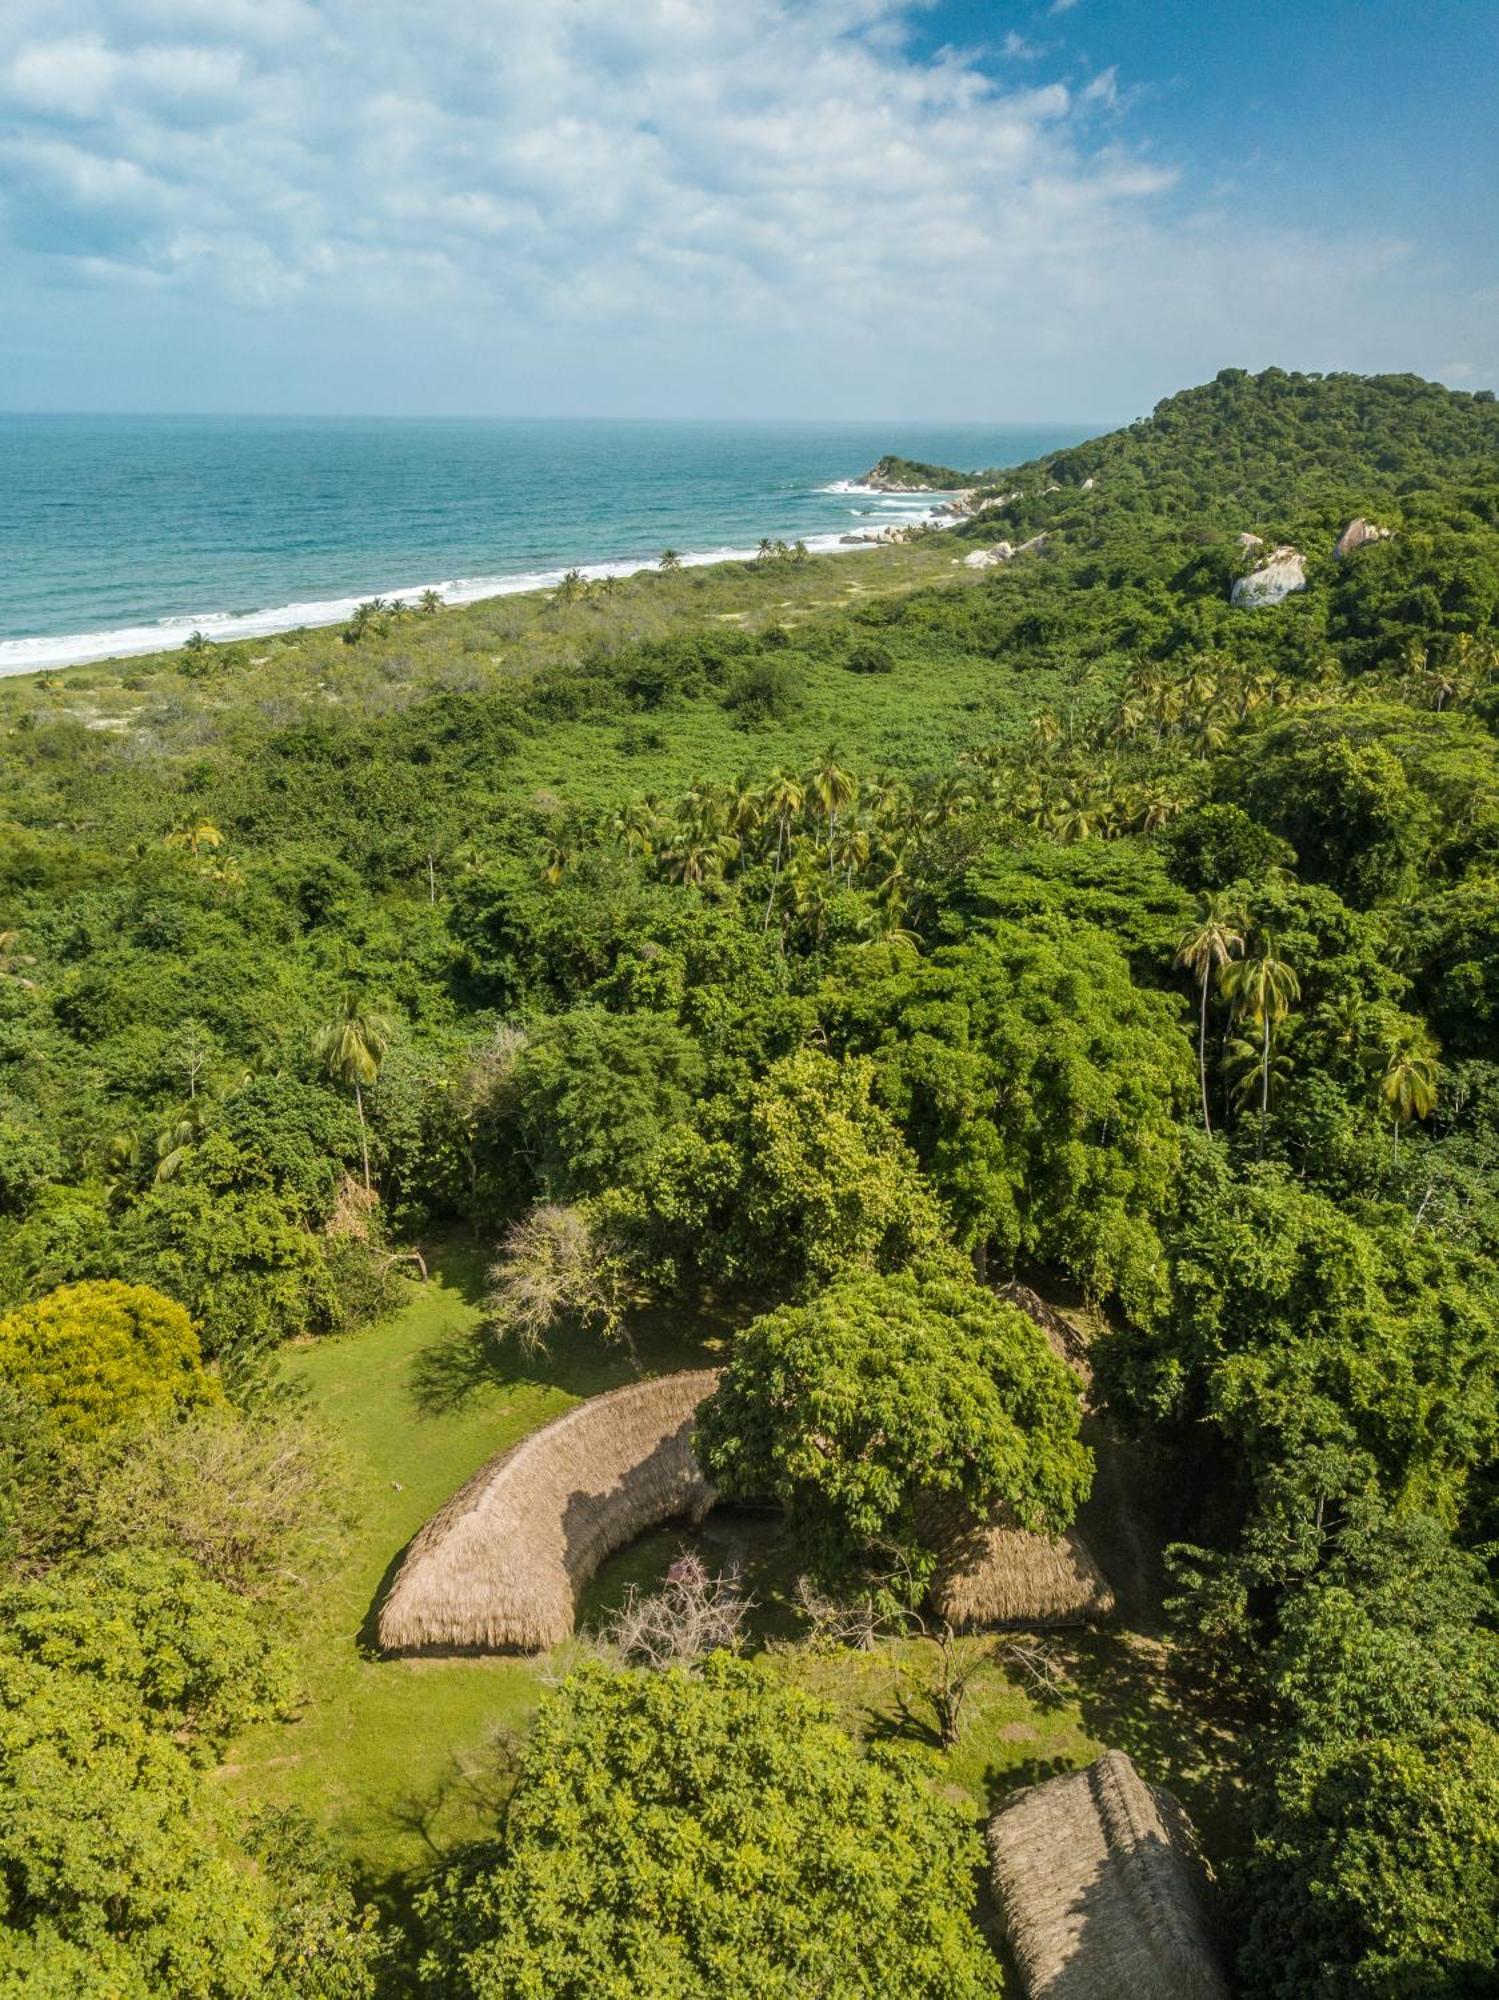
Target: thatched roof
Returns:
[1103, 1889]
[994, 1573]
[498, 1569]
[1063, 1338]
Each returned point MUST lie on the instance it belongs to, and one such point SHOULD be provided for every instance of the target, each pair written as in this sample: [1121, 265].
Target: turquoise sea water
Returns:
[122, 534]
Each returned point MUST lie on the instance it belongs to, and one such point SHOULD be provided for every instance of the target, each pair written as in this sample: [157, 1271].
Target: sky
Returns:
[965, 209]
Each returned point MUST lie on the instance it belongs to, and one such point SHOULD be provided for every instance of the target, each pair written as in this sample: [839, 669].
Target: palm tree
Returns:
[560, 859]
[352, 1048]
[1207, 947]
[835, 788]
[785, 796]
[670, 560]
[638, 824]
[1409, 1083]
[195, 835]
[1265, 990]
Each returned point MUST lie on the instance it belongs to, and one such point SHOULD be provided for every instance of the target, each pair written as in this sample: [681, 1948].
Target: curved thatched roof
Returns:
[1103, 1889]
[498, 1569]
[994, 1573]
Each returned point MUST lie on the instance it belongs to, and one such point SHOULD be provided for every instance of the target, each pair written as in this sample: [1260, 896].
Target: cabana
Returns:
[499, 1568]
[1104, 1890]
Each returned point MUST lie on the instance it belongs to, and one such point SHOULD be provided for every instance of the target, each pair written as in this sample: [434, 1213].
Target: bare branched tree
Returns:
[555, 1265]
[694, 1613]
[835, 1624]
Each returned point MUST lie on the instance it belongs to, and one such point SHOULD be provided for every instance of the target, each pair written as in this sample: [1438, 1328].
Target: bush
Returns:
[869, 656]
[153, 1622]
[97, 1354]
[258, 1503]
[854, 1410]
[717, 1837]
[765, 691]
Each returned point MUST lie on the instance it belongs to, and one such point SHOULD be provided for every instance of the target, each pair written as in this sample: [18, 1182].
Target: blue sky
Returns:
[817, 208]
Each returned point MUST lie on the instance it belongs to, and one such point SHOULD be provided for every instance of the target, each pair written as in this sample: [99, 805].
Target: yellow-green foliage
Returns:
[95, 1354]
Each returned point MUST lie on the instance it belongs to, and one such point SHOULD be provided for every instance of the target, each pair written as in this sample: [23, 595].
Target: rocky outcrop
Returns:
[1356, 534]
[1002, 552]
[1281, 573]
[1247, 541]
[862, 537]
[910, 475]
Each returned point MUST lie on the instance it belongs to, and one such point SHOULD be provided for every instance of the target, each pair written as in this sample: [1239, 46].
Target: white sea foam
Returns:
[23, 656]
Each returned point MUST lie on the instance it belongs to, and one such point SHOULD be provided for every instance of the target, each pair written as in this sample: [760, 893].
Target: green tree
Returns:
[115, 1875]
[1038, 1087]
[351, 1048]
[856, 1410]
[202, 1665]
[715, 1836]
[828, 1183]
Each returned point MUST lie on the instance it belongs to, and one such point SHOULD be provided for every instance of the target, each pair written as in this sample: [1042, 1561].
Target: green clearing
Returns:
[401, 1760]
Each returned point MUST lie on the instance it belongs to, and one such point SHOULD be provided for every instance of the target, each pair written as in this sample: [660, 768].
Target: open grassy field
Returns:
[400, 1759]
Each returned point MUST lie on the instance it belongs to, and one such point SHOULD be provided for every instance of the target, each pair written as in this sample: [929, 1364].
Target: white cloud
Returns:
[774, 189]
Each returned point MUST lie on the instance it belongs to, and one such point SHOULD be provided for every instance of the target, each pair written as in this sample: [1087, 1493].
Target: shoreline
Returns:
[47, 654]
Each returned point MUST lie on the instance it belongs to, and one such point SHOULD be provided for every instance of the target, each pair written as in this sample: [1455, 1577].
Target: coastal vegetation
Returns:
[755, 967]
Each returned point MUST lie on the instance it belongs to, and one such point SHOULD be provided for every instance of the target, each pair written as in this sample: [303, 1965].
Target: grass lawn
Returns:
[400, 1759]
[391, 1754]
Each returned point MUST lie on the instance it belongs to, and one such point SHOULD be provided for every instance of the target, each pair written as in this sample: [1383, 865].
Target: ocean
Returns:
[121, 535]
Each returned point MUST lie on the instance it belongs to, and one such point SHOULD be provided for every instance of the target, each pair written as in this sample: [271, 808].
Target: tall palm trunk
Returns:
[364, 1137]
[1202, 1053]
[775, 880]
[1264, 1087]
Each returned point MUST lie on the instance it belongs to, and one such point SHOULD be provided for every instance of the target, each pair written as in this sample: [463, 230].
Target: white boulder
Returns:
[1281, 573]
[989, 558]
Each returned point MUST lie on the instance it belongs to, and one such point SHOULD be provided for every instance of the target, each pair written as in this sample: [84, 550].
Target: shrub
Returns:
[766, 690]
[258, 1503]
[869, 656]
[99, 1353]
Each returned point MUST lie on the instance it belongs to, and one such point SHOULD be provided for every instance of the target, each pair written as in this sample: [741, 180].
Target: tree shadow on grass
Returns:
[464, 1361]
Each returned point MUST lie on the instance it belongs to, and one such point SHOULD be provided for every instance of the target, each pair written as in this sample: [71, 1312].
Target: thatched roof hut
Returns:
[995, 1573]
[1103, 1889]
[499, 1568]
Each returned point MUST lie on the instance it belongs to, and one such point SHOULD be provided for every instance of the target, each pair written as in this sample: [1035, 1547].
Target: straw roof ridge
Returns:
[1104, 1889]
[499, 1567]
[996, 1573]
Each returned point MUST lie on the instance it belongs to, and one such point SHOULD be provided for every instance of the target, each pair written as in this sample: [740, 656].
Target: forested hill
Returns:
[1270, 441]
[760, 962]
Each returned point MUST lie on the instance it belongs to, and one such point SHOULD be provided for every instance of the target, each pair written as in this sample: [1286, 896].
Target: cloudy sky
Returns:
[835, 208]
